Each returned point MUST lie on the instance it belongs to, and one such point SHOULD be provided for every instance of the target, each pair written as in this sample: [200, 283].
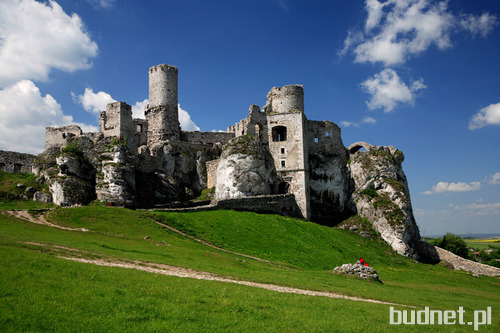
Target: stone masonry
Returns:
[14, 162]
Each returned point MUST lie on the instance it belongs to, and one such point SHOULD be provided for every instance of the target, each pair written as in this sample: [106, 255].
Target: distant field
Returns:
[482, 243]
[41, 291]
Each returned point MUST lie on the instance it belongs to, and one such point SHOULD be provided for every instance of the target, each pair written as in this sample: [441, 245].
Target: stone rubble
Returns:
[364, 272]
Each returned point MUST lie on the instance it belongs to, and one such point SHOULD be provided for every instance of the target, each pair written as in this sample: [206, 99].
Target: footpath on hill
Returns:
[76, 255]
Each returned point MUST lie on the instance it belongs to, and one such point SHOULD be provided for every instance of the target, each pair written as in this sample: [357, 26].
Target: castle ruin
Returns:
[274, 160]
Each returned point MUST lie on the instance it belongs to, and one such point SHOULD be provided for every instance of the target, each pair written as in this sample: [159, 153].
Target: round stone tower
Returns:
[163, 86]
[162, 112]
[287, 99]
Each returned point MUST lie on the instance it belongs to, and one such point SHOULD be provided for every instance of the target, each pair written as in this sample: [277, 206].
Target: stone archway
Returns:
[355, 147]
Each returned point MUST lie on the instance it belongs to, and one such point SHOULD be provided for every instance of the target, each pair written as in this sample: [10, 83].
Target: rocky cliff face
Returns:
[245, 169]
[381, 195]
[108, 170]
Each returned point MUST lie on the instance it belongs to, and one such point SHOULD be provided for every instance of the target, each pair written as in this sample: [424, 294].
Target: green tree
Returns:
[454, 244]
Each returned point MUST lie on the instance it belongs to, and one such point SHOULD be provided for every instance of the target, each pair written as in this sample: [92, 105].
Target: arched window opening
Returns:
[355, 149]
[279, 133]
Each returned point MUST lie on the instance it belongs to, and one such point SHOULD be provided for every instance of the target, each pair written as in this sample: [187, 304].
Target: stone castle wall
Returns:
[14, 162]
[254, 124]
[206, 137]
[283, 204]
[60, 136]
[212, 173]
[117, 121]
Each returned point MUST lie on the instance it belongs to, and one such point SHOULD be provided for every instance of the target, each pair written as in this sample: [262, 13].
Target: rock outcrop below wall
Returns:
[107, 169]
[245, 169]
[329, 180]
[381, 195]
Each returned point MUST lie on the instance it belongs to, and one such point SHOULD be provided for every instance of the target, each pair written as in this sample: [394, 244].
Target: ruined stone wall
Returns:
[265, 204]
[211, 167]
[329, 176]
[14, 162]
[290, 98]
[254, 124]
[141, 131]
[117, 121]
[59, 136]
[206, 137]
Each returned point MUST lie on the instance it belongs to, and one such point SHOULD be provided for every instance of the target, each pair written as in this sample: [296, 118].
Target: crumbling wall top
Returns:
[290, 98]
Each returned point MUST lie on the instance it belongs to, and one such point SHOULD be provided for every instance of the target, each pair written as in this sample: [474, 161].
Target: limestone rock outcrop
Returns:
[245, 169]
[381, 195]
[117, 173]
[364, 272]
[116, 178]
[42, 197]
[68, 173]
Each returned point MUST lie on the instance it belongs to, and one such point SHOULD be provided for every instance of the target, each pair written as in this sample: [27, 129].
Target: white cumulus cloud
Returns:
[479, 25]
[395, 30]
[495, 179]
[489, 115]
[479, 209]
[345, 123]
[94, 102]
[442, 187]
[37, 37]
[24, 114]
[102, 3]
[369, 120]
[185, 120]
[138, 109]
[388, 90]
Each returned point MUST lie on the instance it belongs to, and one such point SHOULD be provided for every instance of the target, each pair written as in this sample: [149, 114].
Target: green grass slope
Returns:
[40, 291]
[10, 194]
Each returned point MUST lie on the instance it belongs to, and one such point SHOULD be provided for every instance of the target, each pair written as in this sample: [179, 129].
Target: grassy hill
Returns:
[41, 291]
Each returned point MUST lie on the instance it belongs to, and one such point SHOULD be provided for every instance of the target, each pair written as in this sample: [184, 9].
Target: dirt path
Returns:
[38, 219]
[187, 273]
[178, 271]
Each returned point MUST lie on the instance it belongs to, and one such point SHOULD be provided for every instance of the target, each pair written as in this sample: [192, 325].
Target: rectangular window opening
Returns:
[327, 133]
[282, 150]
[316, 140]
[283, 163]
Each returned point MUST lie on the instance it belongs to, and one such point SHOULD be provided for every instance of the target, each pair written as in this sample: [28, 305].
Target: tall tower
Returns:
[162, 111]
[287, 128]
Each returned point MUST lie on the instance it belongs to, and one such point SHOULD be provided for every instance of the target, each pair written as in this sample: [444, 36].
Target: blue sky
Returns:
[420, 75]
